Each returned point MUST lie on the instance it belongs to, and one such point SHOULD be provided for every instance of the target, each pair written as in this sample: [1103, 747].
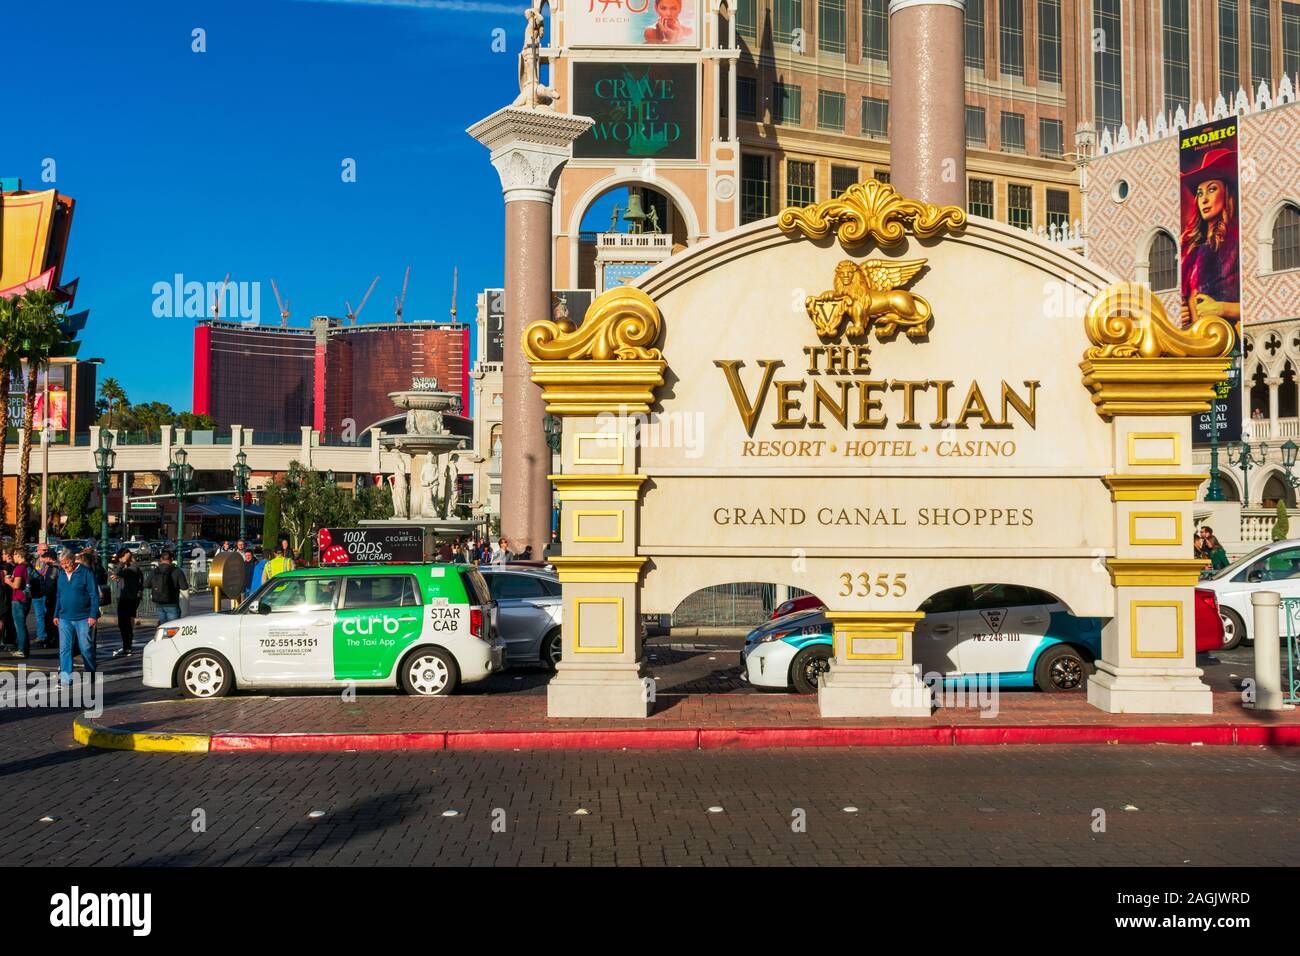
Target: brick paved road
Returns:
[1203, 806]
[1005, 806]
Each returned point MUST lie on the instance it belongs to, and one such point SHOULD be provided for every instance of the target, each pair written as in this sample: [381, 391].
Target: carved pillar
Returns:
[595, 379]
[529, 148]
[1149, 379]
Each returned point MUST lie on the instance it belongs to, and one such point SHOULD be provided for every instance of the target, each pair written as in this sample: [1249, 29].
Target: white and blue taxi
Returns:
[1012, 635]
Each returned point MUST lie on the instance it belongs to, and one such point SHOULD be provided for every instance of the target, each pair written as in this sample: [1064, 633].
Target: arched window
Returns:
[1286, 239]
[1275, 490]
[1287, 404]
[1259, 395]
[1163, 262]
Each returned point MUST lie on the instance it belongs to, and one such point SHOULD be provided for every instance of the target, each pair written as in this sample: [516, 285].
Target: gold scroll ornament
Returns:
[1125, 320]
[1140, 364]
[620, 325]
[871, 210]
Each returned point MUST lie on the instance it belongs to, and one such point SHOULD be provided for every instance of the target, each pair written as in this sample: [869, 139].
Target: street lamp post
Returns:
[105, 458]
[1241, 455]
[1288, 462]
[242, 472]
[181, 475]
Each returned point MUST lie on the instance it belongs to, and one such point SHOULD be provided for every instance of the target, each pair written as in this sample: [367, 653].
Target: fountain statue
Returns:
[419, 462]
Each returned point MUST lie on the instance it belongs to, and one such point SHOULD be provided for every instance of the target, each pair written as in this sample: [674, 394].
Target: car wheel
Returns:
[204, 674]
[808, 666]
[552, 648]
[1234, 628]
[429, 672]
[1061, 669]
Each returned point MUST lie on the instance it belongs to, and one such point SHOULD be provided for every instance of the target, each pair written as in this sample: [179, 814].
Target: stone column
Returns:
[927, 100]
[1274, 430]
[1148, 650]
[600, 382]
[873, 674]
[529, 148]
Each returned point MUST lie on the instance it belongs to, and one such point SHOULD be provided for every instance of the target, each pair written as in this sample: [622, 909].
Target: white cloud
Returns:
[450, 6]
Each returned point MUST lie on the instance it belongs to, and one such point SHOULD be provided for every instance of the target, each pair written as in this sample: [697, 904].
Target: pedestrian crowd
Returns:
[479, 550]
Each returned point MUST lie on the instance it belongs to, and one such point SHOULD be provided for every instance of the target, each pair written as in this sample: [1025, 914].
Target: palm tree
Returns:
[42, 336]
[113, 393]
[10, 359]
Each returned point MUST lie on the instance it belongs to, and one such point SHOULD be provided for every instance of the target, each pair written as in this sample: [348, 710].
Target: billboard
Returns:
[370, 545]
[632, 23]
[642, 110]
[1210, 256]
[568, 304]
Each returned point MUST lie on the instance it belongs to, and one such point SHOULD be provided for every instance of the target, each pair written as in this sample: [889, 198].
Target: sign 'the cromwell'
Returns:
[923, 421]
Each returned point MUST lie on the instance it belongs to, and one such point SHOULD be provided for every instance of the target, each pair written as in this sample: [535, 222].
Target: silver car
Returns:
[529, 612]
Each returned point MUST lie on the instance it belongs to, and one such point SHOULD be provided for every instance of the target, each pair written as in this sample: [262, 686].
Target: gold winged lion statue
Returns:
[868, 295]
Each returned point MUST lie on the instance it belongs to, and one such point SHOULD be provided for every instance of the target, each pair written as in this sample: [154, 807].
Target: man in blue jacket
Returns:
[76, 608]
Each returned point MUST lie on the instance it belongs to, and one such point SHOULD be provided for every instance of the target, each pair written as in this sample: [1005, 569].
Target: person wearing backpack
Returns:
[128, 599]
[36, 591]
[165, 586]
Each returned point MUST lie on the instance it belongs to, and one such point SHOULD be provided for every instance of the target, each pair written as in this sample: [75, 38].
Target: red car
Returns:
[1209, 626]
[806, 603]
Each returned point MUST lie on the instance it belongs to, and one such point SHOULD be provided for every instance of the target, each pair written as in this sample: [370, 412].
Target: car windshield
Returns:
[1241, 562]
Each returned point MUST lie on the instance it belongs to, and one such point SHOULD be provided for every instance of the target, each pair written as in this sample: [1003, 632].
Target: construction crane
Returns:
[352, 316]
[399, 304]
[216, 303]
[455, 273]
[283, 306]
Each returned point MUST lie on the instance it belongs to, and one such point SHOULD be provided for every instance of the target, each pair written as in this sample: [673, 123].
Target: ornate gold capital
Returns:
[598, 569]
[601, 487]
[1153, 487]
[619, 326]
[1156, 386]
[871, 210]
[1154, 572]
[1125, 320]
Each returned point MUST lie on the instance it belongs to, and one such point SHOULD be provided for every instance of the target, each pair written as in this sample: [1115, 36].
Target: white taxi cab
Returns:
[424, 628]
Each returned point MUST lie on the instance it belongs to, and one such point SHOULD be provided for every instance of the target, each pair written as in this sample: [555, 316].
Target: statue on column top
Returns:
[533, 94]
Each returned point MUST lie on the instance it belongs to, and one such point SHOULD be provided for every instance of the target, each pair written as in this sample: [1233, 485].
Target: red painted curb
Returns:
[1252, 736]
[755, 738]
[287, 743]
[751, 738]
[653, 739]
[977, 735]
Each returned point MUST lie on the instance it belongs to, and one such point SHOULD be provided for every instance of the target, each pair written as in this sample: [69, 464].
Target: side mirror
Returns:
[263, 608]
[1254, 577]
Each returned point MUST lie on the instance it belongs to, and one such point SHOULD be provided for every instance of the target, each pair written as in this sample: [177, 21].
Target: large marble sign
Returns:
[875, 399]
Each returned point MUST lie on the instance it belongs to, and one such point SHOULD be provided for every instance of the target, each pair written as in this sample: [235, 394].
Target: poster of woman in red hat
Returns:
[1211, 261]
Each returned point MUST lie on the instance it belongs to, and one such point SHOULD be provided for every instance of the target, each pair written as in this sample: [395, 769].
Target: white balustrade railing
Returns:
[1257, 527]
[635, 240]
[1262, 429]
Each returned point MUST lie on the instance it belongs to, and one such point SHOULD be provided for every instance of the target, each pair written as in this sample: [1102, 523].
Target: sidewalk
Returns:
[382, 721]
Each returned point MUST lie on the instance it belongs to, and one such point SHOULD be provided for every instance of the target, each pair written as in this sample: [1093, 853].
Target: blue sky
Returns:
[230, 160]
